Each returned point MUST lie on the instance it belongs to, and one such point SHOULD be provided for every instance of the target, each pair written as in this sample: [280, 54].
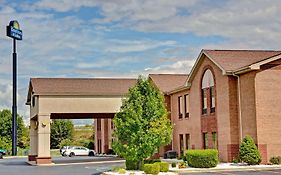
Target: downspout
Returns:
[239, 108]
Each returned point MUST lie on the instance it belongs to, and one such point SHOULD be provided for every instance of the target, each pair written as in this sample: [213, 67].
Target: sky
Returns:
[126, 38]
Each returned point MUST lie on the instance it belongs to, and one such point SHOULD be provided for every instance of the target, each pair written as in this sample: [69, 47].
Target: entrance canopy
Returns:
[69, 98]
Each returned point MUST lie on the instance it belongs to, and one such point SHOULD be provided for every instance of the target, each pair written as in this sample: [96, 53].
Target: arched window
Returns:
[208, 92]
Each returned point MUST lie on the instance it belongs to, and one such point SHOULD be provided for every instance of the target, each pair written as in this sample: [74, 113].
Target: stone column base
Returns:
[32, 157]
[43, 160]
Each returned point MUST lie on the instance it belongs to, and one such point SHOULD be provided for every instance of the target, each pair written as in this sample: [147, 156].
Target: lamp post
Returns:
[13, 31]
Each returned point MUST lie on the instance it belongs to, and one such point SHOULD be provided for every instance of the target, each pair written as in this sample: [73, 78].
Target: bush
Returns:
[202, 158]
[131, 165]
[174, 164]
[164, 166]
[249, 152]
[121, 171]
[151, 161]
[275, 160]
[182, 165]
[151, 168]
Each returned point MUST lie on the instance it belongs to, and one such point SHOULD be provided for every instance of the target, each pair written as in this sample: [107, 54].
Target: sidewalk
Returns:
[227, 167]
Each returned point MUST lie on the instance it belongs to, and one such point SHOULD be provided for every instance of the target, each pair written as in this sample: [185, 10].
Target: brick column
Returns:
[33, 140]
[44, 156]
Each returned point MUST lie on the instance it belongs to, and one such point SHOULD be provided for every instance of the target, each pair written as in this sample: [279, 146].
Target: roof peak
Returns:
[244, 50]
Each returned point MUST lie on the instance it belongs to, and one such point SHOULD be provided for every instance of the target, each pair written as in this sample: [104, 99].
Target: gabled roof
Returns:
[79, 86]
[231, 60]
[235, 61]
[168, 82]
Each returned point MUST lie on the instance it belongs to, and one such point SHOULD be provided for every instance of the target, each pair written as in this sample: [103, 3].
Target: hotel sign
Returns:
[13, 30]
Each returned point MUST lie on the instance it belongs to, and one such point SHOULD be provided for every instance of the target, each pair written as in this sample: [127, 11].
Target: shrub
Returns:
[164, 166]
[174, 164]
[275, 160]
[151, 161]
[151, 168]
[131, 165]
[249, 152]
[182, 165]
[121, 171]
[202, 158]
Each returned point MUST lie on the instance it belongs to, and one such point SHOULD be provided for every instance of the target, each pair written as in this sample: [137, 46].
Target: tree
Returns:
[6, 130]
[249, 152]
[61, 130]
[142, 125]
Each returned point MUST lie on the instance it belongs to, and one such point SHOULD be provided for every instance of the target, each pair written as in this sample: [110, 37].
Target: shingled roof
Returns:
[79, 86]
[231, 60]
[168, 82]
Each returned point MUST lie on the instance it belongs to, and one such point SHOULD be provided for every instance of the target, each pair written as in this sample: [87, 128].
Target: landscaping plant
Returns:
[164, 166]
[151, 168]
[249, 152]
[142, 125]
[275, 160]
[202, 158]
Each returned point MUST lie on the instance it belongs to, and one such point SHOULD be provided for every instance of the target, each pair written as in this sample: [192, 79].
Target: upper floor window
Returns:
[186, 105]
[208, 92]
[180, 106]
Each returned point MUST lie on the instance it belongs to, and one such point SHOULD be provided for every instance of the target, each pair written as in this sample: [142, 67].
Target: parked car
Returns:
[63, 149]
[170, 154]
[2, 153]
[77, 151]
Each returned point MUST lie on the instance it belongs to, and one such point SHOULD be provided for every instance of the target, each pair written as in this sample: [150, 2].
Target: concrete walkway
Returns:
[227, 167]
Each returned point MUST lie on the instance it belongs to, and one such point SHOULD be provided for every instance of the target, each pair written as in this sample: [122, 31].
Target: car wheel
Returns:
[91, 153]
[1, 155]
[71, 154]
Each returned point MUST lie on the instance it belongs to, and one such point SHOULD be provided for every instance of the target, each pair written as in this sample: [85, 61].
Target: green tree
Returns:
[249, 152]
[142, 125]
[6, 130]
[61, 130]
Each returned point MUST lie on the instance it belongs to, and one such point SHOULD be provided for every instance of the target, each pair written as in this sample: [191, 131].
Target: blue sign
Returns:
[13, 30]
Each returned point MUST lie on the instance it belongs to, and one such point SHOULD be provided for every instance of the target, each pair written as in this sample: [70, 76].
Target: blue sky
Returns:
[126, 38]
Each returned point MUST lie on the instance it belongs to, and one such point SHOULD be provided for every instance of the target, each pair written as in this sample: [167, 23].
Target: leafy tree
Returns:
[61, 130]
[249, 152]
[142, 125]
[6, 130]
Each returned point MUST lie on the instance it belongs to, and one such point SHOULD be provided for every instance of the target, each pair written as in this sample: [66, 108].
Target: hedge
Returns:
[132, 165]
[151, 168]
[151, 161]
[202, 158]
[275, 160]
[164, 166]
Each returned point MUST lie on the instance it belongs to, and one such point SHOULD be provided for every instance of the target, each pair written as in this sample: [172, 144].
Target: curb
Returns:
[226, 169]
[32, 163]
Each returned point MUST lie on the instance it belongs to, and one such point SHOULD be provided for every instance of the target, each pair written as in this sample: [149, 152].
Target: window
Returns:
[208, 92]
[205, 140]
[212, 98]
[98, 124]
[214, 138]
[181, 144]
[180, 106]
[187, 141]
[33, 100]
[186, 105]
[204, 102]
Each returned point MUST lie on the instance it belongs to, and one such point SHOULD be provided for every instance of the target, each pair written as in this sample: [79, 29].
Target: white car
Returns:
[77, 151]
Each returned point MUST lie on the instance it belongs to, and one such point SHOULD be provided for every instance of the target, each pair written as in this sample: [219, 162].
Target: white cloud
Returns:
[183, 66]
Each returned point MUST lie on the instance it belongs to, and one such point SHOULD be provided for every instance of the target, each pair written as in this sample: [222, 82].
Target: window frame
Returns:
[180, 112]
[186, 112]
[205, 140]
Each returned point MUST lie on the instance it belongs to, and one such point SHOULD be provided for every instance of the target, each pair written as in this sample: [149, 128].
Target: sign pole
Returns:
[14, 108]
[14, 32]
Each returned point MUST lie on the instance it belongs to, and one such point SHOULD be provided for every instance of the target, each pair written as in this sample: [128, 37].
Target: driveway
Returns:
[18, 166]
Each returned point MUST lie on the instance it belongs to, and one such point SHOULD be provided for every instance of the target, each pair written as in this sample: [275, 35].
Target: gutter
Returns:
[239, 110]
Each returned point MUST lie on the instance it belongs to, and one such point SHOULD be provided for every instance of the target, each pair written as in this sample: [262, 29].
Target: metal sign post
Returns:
[13, 31]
